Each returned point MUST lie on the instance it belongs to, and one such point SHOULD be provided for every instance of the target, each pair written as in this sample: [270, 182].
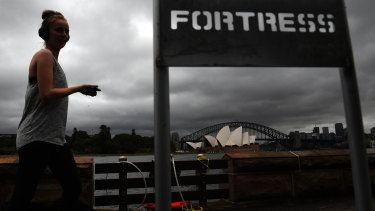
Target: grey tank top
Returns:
[44, 121]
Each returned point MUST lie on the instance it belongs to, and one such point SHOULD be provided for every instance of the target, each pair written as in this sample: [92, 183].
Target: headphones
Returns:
[44, 29]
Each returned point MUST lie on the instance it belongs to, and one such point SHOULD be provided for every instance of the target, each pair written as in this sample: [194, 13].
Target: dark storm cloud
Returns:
[361, 17]
[277, 97]
[111, 45]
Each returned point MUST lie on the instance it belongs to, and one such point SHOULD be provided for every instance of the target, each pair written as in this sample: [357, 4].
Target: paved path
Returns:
[345, 203]
[330, 204]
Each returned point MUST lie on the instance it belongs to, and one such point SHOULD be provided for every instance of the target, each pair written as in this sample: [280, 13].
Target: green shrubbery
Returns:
[8, 145]
[102, 143]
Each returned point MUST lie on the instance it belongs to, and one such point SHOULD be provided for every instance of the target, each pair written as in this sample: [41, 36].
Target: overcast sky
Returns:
[111, 45]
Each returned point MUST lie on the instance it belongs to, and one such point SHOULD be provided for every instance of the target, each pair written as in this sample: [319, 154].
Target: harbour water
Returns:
[149, 158]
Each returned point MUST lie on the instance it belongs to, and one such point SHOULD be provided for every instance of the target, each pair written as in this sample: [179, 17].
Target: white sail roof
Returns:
[223, 135]
[212, 140]
[235, 138]
[195, 145]
[252, 139]
[245, 138]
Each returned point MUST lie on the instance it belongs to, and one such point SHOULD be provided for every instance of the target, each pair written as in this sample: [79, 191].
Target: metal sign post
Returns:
[358, 155]
[162, 139]
[161, 122]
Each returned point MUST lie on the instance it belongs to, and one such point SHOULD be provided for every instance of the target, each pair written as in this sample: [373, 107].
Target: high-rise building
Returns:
[297, 140]
[316, 130]
[372, 132]
[339, 128]
[325, 131]
[175, 138]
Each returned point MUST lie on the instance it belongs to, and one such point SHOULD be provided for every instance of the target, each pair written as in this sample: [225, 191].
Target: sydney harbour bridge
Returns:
[262, 133]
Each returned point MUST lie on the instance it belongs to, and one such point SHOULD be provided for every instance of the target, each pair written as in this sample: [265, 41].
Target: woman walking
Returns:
[41, 131]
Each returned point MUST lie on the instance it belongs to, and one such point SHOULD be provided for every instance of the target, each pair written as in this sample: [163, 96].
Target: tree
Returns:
[80, 142]
[102, 140]
[102, 143]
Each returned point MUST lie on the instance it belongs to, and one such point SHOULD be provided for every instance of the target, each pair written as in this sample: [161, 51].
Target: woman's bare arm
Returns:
[47, 93]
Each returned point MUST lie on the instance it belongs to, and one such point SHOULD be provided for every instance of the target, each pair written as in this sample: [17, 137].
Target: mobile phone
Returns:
[95, 89]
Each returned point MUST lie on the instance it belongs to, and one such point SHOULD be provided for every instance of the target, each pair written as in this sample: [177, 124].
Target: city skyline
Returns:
[315, 129]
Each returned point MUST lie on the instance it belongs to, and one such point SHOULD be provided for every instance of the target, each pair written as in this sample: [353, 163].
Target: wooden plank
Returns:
[105, 184]
[104, 168]
[137, 198]
[107, 168]
[115, 183]
[192, 165]
[101, 168]
[210, 179]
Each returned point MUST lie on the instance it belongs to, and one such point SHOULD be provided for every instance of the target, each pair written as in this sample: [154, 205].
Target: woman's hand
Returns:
[89, 90]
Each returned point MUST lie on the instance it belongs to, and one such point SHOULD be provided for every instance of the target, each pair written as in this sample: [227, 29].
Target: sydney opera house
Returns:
[226, 138]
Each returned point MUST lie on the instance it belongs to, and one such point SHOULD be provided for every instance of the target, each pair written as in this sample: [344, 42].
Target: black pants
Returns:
[33, 159]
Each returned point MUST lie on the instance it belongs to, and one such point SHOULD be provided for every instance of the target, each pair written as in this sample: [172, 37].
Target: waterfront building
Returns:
[175, 137]
[226, 138]
[223, 135]
[235, 138]
[297, 140]
[339, 128]
[245, 138]
[332, 136]
[212, 140]
[316, 130]
[195, 145]
[372, 133]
